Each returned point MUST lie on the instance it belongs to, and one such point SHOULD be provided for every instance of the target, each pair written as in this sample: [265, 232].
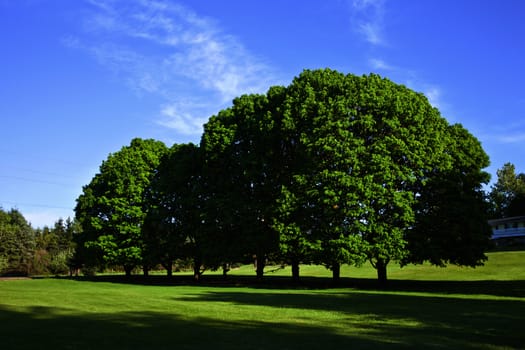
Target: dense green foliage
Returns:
[16, 243]
[244, 157]
[451, 215]
[369, 143]
[344, 166]
[112, 207]
[174, 222]
[55, 248]
[333, 169]
[425, 307]
[24, 250]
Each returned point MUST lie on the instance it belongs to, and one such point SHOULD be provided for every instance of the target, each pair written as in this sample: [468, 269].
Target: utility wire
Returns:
[18, 178]
[14, 169]
[34, 205]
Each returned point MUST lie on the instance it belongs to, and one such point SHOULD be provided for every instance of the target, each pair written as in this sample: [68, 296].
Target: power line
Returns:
[34, 205]
[15, 169]
[18, 178]
[31, 156]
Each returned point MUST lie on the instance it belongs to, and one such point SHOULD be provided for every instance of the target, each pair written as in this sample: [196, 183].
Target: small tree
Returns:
[507, 195]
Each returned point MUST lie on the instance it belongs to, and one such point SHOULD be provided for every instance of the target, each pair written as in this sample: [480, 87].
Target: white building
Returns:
[508, 230]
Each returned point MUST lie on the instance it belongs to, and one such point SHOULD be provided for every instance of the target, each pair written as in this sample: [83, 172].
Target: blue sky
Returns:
[80, 79]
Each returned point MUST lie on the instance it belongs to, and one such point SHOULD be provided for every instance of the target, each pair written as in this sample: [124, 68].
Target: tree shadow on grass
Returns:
[52, 328]
[412, 320]
[515, 288]
[363, 320]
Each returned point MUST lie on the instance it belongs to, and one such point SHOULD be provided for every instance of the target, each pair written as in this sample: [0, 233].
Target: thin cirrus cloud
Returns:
[507, 134]
[379, 64]
[167, 49]
[512, 138]
[178, 117]
[368, 20]
[433, 93]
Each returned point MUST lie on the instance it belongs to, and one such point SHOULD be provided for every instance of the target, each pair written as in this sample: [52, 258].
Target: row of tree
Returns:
[24, 250]
[333, 169]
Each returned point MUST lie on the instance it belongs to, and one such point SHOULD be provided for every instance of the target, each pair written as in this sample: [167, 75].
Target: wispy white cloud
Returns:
[372, 32]
[186, 117]
[167, 49]
[433, 93]
[511, 137]
[436, 97]
[379, 64]
[368, 20]
[505, 133]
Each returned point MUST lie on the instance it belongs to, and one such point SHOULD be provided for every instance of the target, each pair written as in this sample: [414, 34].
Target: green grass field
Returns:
[423, 306]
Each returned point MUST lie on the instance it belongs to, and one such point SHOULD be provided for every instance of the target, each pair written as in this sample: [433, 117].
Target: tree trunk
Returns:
[196, 269]
[196, 275]
[145, 270]
[336, 272]
[260, 266]
[225, 269]
[381, 272]
[127, 270]
[169, 270]
[295, 271]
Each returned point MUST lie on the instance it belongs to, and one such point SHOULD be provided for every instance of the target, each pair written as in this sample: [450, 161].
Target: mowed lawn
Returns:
[423, 307]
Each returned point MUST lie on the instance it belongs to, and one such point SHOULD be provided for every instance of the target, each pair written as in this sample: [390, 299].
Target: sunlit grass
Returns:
[499, 266]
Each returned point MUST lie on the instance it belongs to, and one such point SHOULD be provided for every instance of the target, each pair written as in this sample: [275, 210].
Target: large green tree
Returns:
[451, 212]
[319, 208]
[112, 207]
[241, 148]
[369, 143]
[341, 164]
[175, 221]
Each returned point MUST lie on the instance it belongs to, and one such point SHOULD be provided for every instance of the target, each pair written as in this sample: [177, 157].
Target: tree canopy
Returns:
[351, 158]
[451, 212]
[112, 207]
[244, 162]
[174, 223]
[333, 169]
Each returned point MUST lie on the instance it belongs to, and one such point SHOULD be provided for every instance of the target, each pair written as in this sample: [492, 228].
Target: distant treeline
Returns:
[28, 251]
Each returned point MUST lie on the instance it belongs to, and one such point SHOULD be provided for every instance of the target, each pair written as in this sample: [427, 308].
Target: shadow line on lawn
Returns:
[498, 288]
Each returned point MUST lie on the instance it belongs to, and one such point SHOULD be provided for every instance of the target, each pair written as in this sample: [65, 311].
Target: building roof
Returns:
[509, 220]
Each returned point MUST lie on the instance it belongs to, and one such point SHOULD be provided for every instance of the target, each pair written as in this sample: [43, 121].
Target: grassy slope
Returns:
[499, 266]
[442, 308]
